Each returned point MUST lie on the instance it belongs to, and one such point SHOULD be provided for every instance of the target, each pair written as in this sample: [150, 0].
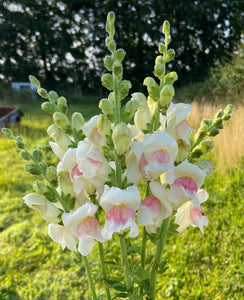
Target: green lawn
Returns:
[208, 266]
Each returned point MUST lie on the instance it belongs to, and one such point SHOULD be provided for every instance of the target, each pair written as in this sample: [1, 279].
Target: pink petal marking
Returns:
[120, 214]
[195, 214]
[87, 226]
[96, 136]
[97, 163]
[187, 183]
[181, 127]
[142, 163]
[161, 156]
[153, 203]
[76, 171]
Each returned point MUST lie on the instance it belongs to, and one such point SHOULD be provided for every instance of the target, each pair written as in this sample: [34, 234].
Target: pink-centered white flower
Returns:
[151, 157]
[47, 210]
[83, 225]
[120, 206]
[188, 179]
[188, 214]
[154, 208]
[91, 163]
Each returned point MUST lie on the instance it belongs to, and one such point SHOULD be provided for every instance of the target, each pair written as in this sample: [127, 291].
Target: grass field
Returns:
[208, 266]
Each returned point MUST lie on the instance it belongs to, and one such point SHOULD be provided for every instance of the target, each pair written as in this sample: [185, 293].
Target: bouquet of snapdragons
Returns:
[135, 170]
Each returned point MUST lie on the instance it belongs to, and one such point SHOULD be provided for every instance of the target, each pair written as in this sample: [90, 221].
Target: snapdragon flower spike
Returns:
[120, 206]
[154, 208]
[59, 234]
[47, 210]
[83, 225]
[91, 131]
[188, 214]
[188, 179]
[153, 156]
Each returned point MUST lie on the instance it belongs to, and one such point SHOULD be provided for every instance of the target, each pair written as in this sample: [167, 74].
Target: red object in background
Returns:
[10, 115]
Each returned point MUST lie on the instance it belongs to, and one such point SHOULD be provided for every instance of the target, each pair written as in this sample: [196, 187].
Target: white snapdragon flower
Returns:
[47, 210]
[92, 164]
[188, 214]
[120, 206]
[151, 157]
[82, 224]
[188, 179]
[154, 208]
[91, 131]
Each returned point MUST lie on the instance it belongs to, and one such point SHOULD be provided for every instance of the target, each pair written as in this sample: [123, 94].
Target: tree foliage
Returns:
[63, 41]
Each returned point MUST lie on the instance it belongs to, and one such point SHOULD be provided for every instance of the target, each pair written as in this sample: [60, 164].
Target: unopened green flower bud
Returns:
[51, 174]
[48, 107]
[112, 46]
[104, 125]
[159, 70]
[37, 155]
[32, 168]
[152, 87]
[213, 131]
[8, 133]
[108, 62]
[123, 88]
[25, 155]
[218, 122]
[62, 104]
[77, 121]
[34, 81]
[167, 39]
[170, 78]
[53, 96]
[159, 59]
[207, 122]
[129, 110]
[19, 142]
[118, 70]
[228, 109]
[162, 48]
[201, 133]
[61, 120]
[121, 138]
[166, 27]
[120, 55]
[106, 106]
[166, 95]
[170, 55]
[219, 114]
[43, 93]
[204, 147]
[40, 187]
[110, 23]
[107, 81]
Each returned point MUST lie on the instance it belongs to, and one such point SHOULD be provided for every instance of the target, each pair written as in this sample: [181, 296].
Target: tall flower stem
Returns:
[103, 269]
[144, 244]
[157, 258]
[89, 276]
[125, 262]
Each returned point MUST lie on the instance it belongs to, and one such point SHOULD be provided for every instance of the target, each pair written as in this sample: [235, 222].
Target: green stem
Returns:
[103, 269]
[89, 276]
[144, 245]
[157, 259]
[125, 262]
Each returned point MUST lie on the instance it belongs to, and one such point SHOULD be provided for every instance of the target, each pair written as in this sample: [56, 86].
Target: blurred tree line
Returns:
[63, 42]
